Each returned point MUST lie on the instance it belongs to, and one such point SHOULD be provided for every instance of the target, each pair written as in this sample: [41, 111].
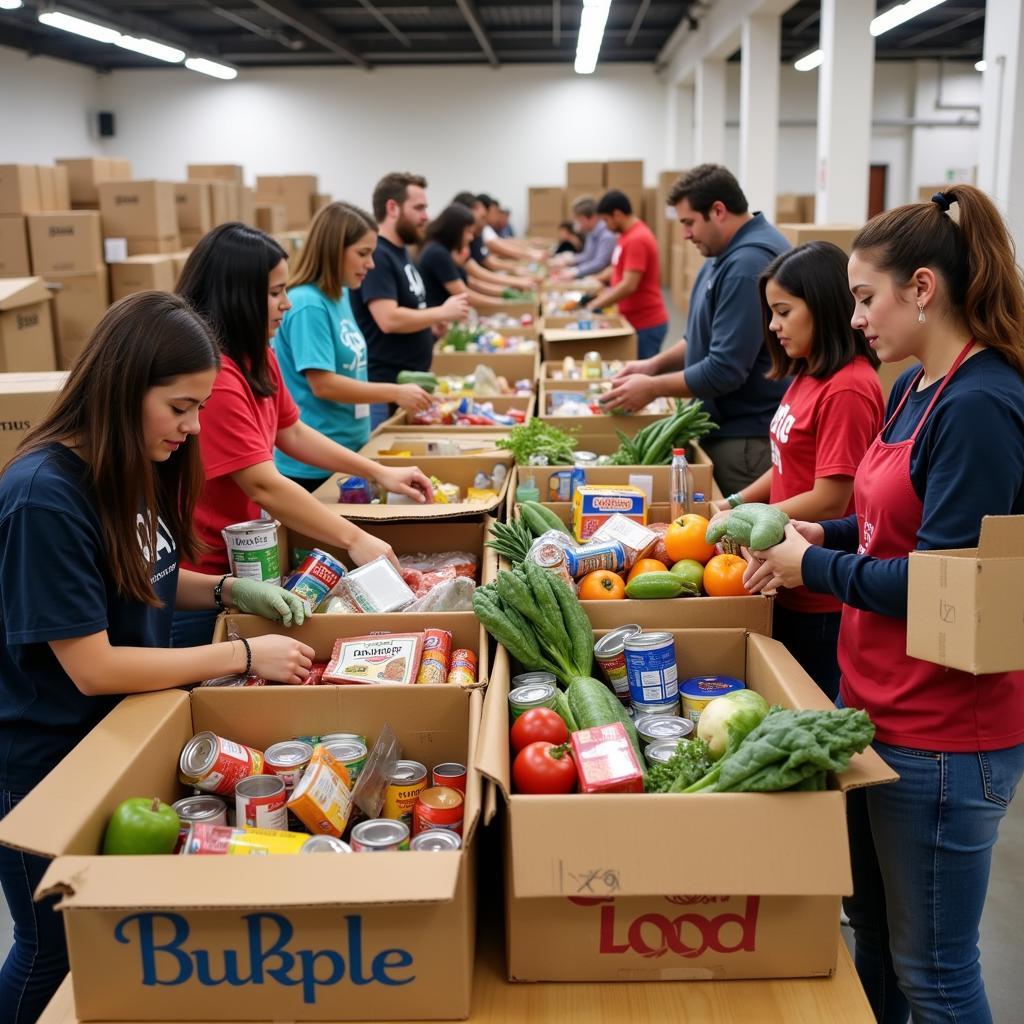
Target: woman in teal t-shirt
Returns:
[320, 348]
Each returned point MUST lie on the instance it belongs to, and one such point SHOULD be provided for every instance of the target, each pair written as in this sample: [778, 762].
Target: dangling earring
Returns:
[920, 313]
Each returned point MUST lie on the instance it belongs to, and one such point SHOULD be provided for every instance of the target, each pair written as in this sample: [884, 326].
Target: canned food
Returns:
[591, 557]
[551, 558]
[653, 728]
[379, 835]
[216, 765]
[204, 807]
[325, 844]
[322, 800]
[252, 550]
[560, 485]
[260, 802]
[437, 656]
[315, 578]
[463, 670]
[451, 774]
[436, 840]
[700, 690]
[438, 807]
[351, 753]
[641, 710]
[610, 653]
[287, 760]
[336, 737]
[532, 695]
[661, 751]
[408, 780]
[240, 842]
[651, 668]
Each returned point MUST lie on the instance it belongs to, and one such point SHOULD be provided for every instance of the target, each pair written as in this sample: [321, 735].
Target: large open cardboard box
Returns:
[551, 370]
[502, 404]
[412, 442]
[616, 342]
[459, 470]
[601, 423]
[512, 366]
[256, 938]
[664, 887]
[965, 606]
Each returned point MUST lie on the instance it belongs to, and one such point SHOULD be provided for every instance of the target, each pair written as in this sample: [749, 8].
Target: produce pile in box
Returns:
[483, 382]
[308, 794]
[492, 334]
[629, 736]
[484, 490]
[466, 412]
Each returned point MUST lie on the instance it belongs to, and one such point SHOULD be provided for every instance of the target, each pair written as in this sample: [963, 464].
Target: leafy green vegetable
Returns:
[460, 337]
[536, 437]
[652, 445]
[689, 763]
[727, 720]
[511, 540]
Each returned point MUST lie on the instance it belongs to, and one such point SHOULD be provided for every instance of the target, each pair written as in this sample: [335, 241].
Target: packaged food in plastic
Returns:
[454, 595]
[386, 658]
[422, 583]
[464, 562]
[485, 382]
[372, 785]
[548, 551]
[372, 588]
[636, 539]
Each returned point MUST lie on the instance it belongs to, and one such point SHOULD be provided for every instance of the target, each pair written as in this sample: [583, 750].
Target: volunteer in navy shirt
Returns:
[947, 292]
[484, 271]
[108, 480]
[391, 304]
[443, 259]
[723, 358]
[828, 417]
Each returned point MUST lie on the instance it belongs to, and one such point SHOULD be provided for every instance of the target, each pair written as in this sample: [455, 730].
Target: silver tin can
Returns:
[288, 760]
[350, 752]
[641, 710]
[436, 840]
[531, 695]
[204, 807]
[379, 835]
[652, 728]
[325, 844]
[260, 802]
[660, 752]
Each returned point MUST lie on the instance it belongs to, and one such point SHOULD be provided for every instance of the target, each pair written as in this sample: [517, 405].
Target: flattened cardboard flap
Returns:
[1001, 537]
[492, 756]
[21, 291]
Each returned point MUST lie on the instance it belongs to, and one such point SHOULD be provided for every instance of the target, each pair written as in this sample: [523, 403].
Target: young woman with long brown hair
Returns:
[95, 515]
[939, 282]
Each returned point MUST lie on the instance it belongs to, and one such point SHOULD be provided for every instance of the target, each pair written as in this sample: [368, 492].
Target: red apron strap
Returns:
[942, 387]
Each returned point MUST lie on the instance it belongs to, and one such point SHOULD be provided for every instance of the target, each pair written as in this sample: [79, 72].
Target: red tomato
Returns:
[538, 724]
[544, 768]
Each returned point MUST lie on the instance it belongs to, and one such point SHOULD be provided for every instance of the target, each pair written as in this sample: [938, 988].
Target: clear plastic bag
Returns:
[454, 595]
[464, 562]
[373, 588]
[372, 785]
[485, 382]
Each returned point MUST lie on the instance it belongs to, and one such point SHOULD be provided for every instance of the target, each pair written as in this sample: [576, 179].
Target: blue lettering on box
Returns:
[267, 956]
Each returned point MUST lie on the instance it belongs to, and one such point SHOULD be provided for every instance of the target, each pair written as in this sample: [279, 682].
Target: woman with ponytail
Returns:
[939, 282]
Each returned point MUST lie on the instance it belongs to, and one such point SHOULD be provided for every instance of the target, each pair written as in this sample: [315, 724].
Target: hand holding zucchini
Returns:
[756, 526]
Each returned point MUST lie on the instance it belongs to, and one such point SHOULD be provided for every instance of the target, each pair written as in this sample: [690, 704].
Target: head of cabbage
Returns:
[726, 721]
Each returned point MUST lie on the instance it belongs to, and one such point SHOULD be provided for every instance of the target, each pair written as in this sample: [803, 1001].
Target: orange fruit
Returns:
[602, 585]
[646, 565]
[723, 576]
[685, 539]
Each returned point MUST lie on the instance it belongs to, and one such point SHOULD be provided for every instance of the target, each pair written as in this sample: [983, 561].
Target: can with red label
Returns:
[463, 670]
[204, 807]
[240, 842]
[451, 774]
[438, 807]
[314, 580]
[288, 760]
[260, 803]
[437, 655]
[216, 765]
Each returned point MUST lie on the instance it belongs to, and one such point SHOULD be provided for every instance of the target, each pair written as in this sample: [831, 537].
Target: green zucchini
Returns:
[754, 525]
[655, 585]
[540, 519]
[427, 381]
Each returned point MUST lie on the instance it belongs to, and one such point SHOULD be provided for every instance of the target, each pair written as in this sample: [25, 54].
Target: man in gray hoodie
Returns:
[723, 358]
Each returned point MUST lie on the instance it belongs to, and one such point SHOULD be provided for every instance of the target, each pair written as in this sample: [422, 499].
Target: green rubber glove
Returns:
[272, 602]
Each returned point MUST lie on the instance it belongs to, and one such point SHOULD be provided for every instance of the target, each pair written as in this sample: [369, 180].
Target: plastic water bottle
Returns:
[679, 492]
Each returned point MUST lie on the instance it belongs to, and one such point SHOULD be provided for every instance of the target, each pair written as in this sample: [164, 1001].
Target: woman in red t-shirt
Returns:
[235, 277]
[827, 418]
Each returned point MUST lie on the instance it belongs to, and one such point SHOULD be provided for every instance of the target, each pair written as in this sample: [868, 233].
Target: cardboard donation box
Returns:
[889, 373]
[14, 261]
[19, 189]
[26, 326]
[839, 234]
[965, 607]
[500, 404]
[85, 174]
[194, 210]
[389, 445]
[294, 191]
[513, 366]
[618, 341]
[590, 175]
[25, 398]
[222, 938]
[215, 172]
[140, 210]
[65, 243]
[142, 273]
[640, 887]
[79, 300]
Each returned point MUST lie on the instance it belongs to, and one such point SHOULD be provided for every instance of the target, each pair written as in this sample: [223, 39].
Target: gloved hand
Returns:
[266, 599]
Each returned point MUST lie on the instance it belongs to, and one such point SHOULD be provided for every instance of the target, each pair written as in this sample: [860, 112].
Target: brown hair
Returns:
[705, 185]
[334, 228]
[974, 257]
[393, 186]
[585, 206]
[145, 340]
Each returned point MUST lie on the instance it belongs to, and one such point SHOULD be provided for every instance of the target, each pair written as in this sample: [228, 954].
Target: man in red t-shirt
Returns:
[636, 274]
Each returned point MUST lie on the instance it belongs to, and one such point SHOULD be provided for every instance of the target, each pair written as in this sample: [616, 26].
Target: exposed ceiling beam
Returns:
[131, 22]
[269, 34]
[311, 25]
[947, 26]
[469, 12]
[637, 22]
[376, 12]
[556, 23]
[801, 26]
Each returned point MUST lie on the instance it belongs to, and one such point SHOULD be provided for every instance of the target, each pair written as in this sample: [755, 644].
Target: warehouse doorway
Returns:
[877, 183]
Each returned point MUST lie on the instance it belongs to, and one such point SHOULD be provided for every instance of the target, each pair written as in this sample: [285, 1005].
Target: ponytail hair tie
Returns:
[942, 201]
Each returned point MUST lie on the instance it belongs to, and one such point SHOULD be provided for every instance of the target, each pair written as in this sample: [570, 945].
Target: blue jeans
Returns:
[650, 339]
[193, 629]
[921, 851]
[38, 960]
[813, 639]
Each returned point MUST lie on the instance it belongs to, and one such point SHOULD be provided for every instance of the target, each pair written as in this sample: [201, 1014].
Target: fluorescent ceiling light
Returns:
[151, 49]
[980, 66]
[80, 27]
[901, 13]
[809, 61]
[210, 67]
[10, 5]
[588, 45]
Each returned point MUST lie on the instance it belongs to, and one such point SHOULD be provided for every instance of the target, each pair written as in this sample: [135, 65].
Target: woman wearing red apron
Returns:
[951, 452]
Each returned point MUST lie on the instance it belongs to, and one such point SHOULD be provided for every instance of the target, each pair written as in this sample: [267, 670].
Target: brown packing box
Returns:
[48, 188]
[965, 606]
[373, 938]
[544, 233]
[141, 273]
[663, 220]
[418, 442]
[619, 173]
[677, 887]
[450, 470]
[925, 192]
[635, 195]
[85, 174]
[26, 326]
[14, 261]
[788, 208]
[25, 398]
[651, 212]
[215, 172]
[190, 238]
[585, 174]
[180, 258]
[808, 206]
[62, 187]
[161, 246]
[79, 300]
[546, 205]
[271, 217]
[296, 191]
[512, 366]
[840, 234]
[501, 405]
[888, 373]
[616, 342]
[192, 201]
[318, 202]
[247, 201]
[598, 424]
[19, 189]
[291, 241]
[223, 202]
[65, 243]
[138, 209]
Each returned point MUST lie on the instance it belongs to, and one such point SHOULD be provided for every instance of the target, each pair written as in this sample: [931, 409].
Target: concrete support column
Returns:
[1001, 160]
[845, 87]
[759, 112]
[709, 113]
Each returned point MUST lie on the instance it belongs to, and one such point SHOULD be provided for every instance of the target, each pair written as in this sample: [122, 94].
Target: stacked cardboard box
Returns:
[841, 234]
[25, 398]
[627, 176]
[295, 191]
[14, 258]
[686, 262]
[584, 180]
[791, 208]
[33, 188]
[547, 209]
[142, 212]
[216, 172]
[194, 209]
[271, 217]
[26, 326]
[142, 273]
[662, 221]
[85, 175]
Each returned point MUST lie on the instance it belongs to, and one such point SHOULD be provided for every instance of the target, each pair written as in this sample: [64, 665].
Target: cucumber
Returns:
[654, 585]
[593, 704]
[540, 519]
[564, 712]
[427, 381]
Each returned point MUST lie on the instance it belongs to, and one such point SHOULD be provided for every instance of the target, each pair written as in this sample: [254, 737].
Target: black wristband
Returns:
[248, 656]
[218, 591]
